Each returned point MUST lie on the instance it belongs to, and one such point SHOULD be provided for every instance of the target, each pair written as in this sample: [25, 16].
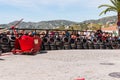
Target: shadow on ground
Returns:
[115, 74]
[43, 52]
[2, 59]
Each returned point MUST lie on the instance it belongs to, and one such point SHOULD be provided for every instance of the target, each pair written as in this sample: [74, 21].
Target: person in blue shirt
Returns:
[67, 34]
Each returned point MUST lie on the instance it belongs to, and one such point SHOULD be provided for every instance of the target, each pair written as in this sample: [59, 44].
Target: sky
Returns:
[45, 10]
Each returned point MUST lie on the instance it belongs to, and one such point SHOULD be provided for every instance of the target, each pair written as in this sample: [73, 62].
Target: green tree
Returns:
[83, 26]
[114, 7]
[61, 27]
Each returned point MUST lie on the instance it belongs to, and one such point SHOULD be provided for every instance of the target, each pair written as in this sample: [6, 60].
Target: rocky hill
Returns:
[41, 25]
[57, 23]
[103, 20]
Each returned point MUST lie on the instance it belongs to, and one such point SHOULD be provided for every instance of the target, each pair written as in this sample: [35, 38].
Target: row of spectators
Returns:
[96, 35]
[86, 36]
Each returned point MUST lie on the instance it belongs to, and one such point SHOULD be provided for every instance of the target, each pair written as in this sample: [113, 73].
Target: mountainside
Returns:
[41, 25]
[102, 20]
[57, 23]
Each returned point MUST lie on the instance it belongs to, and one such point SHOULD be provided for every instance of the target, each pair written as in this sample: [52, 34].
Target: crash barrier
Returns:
[78, 43]
[65, 43]
[12, 41]
[7, 44]
[57, 43]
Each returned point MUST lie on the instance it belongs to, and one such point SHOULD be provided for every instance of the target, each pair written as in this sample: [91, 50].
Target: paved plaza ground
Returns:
[62, 65]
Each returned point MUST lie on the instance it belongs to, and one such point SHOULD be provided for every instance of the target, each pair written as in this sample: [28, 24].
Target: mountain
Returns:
[57, 23]
[41, 25]
[103, 20]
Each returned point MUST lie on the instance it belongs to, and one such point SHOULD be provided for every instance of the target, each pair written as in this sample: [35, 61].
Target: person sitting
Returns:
[52, 34]
[67, 34]
[73, 35]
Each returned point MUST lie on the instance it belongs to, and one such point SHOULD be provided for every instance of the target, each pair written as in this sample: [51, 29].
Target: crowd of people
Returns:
[89, 35]
[76, 38]
[49, 37]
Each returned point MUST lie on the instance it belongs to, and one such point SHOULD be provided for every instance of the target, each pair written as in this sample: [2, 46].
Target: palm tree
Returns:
[114, 7]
